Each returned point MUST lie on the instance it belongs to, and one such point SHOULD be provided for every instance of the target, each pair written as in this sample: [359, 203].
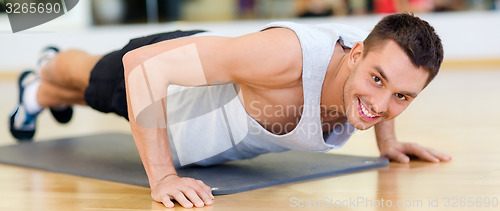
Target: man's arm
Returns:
[256, 59]
[148, 73]
[391, 148]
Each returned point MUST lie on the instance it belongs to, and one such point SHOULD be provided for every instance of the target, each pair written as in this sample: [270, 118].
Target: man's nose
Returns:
[381, 103]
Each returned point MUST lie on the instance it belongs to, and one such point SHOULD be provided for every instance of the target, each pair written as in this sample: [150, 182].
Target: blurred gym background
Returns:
[105, 12]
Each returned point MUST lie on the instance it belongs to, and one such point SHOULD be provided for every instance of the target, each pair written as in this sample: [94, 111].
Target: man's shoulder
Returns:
[270, 57]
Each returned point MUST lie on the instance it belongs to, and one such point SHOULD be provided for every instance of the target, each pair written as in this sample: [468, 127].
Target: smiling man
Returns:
[195, 99]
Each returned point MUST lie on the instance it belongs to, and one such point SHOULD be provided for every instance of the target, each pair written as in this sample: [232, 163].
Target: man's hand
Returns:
[399, 151]
[186, 191]
[391, 148]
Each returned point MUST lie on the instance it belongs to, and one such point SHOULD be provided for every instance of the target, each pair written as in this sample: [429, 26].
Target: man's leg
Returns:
[50, 95]
[60, 83]
[65, 78]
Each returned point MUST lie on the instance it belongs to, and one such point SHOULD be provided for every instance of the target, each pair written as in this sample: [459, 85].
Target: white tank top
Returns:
[209, 125]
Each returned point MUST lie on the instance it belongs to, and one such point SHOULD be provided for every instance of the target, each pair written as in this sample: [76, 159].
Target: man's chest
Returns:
[280, 110]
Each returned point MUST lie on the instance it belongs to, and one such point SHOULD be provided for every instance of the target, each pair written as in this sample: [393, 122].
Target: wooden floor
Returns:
[458, 114]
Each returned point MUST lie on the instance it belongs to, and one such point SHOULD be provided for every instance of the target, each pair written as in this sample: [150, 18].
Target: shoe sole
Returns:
[20, 135]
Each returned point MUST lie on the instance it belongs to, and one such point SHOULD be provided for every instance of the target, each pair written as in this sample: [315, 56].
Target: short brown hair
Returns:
[414, 35]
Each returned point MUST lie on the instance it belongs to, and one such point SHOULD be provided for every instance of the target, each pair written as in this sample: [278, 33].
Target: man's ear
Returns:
[355, 55]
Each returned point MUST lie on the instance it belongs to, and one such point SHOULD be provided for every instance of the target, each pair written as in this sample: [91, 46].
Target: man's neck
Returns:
[333, 85]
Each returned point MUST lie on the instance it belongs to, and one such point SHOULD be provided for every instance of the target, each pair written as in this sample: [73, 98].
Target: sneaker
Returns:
[22, 124]
[62, 113]
[46, 54]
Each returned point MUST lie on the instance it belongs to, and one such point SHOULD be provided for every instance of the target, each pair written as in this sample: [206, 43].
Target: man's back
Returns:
[243, 119]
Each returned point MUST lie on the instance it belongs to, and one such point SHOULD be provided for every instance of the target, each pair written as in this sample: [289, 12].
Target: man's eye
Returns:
[377, 80]
[400, 96]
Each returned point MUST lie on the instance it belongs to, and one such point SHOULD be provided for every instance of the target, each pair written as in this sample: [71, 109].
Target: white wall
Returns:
[207, 10]
[468, 35]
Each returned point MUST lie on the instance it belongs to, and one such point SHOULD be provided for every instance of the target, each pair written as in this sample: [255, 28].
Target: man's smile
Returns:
[365, 113]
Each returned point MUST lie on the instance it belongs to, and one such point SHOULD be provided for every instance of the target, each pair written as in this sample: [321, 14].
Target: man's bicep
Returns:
[151, 69]
[168, 62]
[258, 58]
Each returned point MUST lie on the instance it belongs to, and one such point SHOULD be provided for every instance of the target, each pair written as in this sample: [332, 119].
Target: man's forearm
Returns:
[149, 130]
[154, 150]
[384, 132]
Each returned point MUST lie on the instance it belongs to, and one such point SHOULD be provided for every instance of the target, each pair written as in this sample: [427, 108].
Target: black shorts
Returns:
[106, 89]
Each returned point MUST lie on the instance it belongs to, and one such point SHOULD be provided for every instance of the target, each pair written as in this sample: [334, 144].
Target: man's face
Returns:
[381, 85]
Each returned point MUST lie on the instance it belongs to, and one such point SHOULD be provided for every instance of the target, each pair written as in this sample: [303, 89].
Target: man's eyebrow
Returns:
[411, 94]
[382, 74]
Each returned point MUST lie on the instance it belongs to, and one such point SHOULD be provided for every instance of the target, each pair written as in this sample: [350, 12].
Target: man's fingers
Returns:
[201, 191]
[167, 202]
[179, 197]
[396, 155]
[421, 152]
[188, 192]
[440, 155]
[192, 195]
[402, 158]
[207, 200]
[195, 191]
[207, 189]
[426, 155]
[399, 152]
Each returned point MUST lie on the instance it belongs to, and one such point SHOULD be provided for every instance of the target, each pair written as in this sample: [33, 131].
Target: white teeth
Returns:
[366, 112]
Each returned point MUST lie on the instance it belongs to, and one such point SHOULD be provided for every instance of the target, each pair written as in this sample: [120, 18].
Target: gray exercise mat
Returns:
[114, 157]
